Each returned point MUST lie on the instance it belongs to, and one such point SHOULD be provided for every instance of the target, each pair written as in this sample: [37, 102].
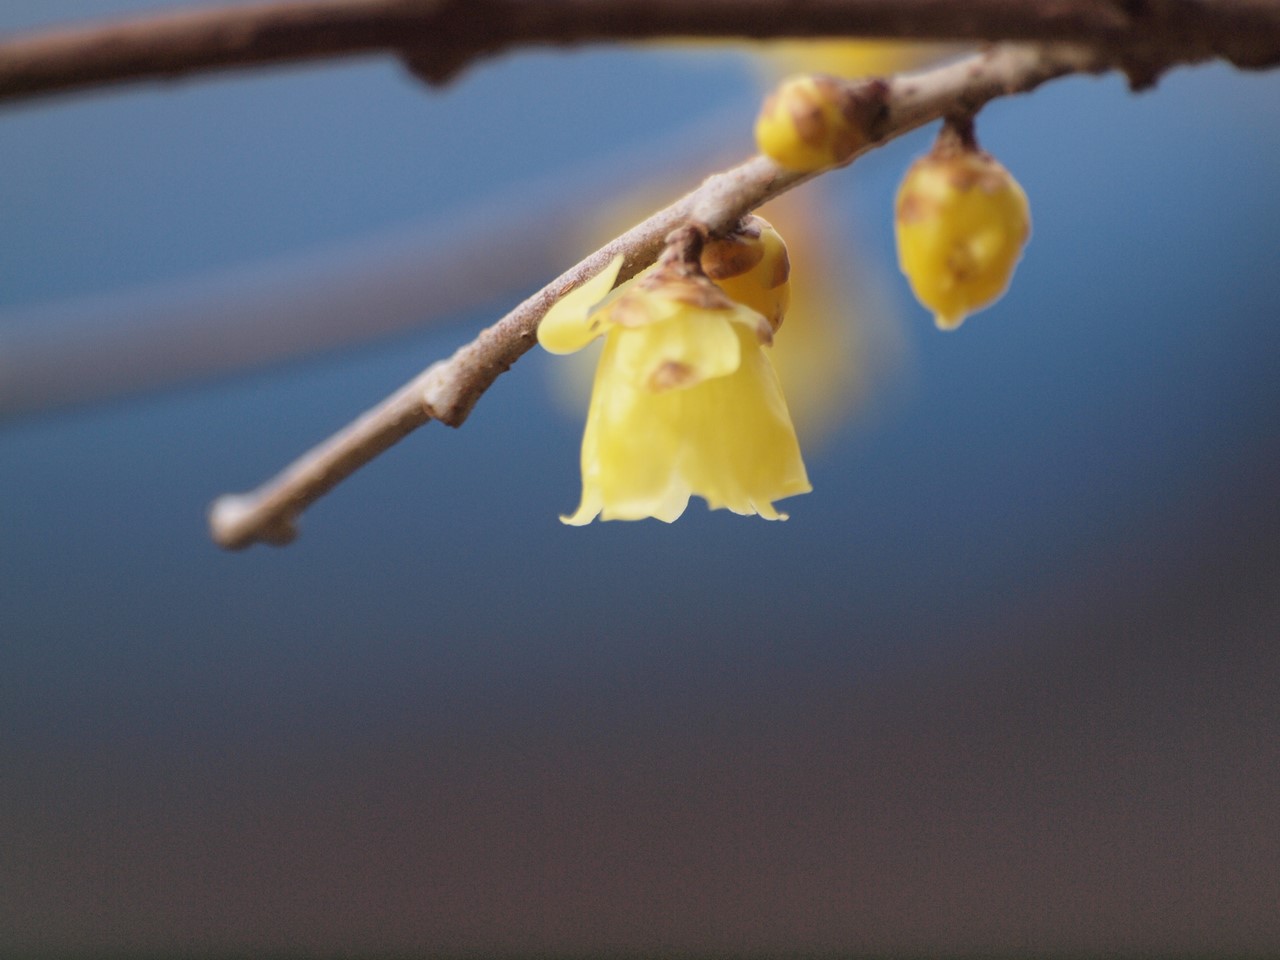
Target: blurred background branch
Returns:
[94, 348]
[436, 38]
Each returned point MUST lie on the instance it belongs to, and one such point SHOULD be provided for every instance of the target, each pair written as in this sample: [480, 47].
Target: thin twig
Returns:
[437, 38]
[448, 390]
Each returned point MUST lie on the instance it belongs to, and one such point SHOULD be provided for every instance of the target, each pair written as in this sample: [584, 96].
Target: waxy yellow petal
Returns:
[568, 326]
[677, 354]
[729, 440]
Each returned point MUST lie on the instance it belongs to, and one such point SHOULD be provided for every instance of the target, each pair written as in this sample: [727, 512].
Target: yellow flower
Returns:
[685, 399]
[961, 222]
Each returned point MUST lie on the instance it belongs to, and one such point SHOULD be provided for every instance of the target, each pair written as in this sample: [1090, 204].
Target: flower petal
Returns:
[728, 439]
[567, 326]
[631, 441]
[742, 448]
[676, 354]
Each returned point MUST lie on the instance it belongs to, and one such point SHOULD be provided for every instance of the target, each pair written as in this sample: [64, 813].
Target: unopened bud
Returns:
[961, 222]
[812, 122]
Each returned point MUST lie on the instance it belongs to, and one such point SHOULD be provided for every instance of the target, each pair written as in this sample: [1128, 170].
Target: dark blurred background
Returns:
[1006, 682]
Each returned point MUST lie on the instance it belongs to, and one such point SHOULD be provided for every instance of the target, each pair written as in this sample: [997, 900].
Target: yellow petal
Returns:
[568, 326]
[679, 353]
[628, 449]
[743, 448]
[728, 439]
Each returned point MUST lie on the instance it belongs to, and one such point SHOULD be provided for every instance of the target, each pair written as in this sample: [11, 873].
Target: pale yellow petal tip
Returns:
[767, 511]
[764, 510]
[586, 516]
[669, 506]
[566, 328]
[951, 321]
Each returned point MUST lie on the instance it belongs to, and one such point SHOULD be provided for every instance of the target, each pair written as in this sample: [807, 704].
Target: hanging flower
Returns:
[685, 399]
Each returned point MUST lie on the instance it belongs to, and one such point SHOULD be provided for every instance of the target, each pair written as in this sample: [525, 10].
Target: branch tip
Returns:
[237, 521]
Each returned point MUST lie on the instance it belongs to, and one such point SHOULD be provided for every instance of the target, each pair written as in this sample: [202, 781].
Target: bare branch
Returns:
[436, 38]
[448, 390]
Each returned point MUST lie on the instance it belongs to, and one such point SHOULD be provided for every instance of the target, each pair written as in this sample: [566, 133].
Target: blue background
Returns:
[1006, 681]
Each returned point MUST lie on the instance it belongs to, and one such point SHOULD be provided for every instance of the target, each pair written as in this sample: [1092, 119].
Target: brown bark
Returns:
[439, 37]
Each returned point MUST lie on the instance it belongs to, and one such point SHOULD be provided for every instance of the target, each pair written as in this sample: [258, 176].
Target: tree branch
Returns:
[447, 391]
[437, 38]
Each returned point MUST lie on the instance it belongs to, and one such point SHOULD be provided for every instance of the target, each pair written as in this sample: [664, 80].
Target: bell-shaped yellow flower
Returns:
[961, 222]
[685, 399]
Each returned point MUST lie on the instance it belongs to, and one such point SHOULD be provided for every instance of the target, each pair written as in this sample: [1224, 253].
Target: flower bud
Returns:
[961, 222]
[811, 122]
[752, 267]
